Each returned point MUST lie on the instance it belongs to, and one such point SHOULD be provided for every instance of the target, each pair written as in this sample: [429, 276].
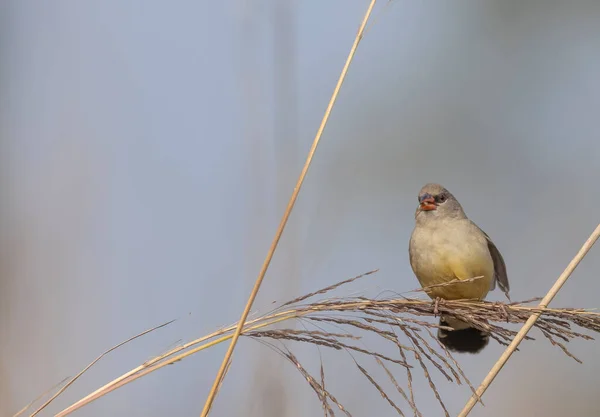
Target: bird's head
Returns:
[437, 202]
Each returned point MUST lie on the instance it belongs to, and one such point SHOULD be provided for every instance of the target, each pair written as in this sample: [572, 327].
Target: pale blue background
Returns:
[149, 148]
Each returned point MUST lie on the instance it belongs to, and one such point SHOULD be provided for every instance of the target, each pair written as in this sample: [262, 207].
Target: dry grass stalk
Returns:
[381, 391]
[68, 384]
[409, 380]
[319, 389]
[410, 401]
[403, 322]
[39, 397]
[238, 330]
[326, 408]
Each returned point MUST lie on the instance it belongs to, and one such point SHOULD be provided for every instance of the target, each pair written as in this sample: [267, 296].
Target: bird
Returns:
[446, 246]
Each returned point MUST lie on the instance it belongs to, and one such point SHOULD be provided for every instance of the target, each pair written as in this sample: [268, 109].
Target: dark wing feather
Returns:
[499, 268]
[500, 275]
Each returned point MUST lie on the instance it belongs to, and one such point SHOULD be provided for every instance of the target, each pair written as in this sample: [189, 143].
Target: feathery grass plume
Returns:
[401, 322]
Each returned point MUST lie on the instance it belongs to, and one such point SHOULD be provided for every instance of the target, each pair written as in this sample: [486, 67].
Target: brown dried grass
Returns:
[401, 321]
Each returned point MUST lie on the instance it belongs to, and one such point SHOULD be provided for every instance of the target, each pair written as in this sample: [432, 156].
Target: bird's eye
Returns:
[442, 197]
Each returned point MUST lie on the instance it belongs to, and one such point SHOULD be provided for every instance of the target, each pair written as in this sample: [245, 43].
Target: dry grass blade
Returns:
[446, 284]
[386, 318]
[560, 345]
[319, 389]
[456, 365]
[39, 397]
[433, 352]
[411, 335]
[168, 358]
[431, 384]
[381, 391]
[94, 362]
[321, 341]
[426, 372]
[409, 381]
[398, 387]
[326, 407]
[355, 323]
[327, 289]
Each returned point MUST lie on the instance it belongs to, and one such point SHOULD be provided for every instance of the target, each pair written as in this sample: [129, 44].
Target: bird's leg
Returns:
[435, 306]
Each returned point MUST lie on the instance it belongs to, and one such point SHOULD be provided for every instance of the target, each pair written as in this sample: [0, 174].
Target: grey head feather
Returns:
[450, 208]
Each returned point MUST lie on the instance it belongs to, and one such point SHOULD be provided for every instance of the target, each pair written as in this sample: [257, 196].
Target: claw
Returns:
[435, 306]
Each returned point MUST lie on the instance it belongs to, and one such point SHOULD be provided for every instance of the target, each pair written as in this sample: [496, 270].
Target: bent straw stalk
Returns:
[39, 397]
[399, 321]
[227, 359]
[68, 384]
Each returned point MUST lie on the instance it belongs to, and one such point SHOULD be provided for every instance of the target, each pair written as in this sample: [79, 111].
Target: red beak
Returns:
[428, 204]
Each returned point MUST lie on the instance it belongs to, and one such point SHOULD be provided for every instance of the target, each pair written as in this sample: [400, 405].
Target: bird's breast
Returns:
[442, 254]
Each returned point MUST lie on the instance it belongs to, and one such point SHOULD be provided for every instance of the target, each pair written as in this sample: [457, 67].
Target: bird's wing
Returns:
[500, 275]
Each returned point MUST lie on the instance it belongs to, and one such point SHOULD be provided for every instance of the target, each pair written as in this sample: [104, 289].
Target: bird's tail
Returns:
[464, 338]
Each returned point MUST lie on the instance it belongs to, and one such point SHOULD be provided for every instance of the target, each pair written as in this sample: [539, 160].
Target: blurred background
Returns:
[148, 150]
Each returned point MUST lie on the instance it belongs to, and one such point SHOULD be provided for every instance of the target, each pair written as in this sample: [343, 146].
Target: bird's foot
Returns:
[436, 303]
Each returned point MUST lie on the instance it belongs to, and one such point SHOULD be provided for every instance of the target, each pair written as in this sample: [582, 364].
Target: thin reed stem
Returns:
[286, 215]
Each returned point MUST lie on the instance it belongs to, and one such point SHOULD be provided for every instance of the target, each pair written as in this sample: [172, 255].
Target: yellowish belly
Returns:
[442, 263]
[476, 290]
